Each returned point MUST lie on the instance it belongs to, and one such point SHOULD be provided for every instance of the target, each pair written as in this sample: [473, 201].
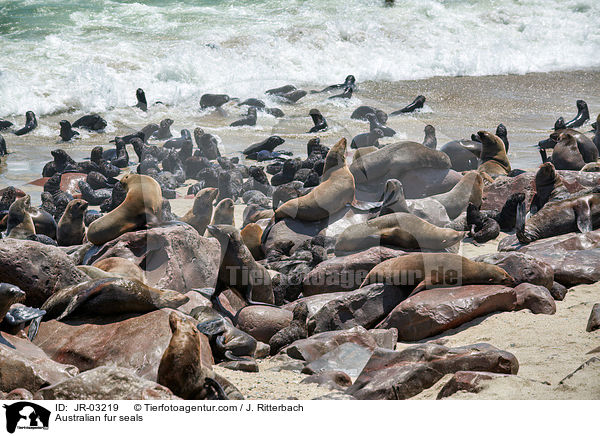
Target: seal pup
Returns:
[5, 124]
[164, 129]
[292, 96]
[30, 124]
[200, 214]
[238, 270]
[71, 228]
[9, 295]
[548, 187]
[431, 270]
[140, 208]
[19, 223]
[91, 122]
[121, 267]
[493, 157]
[566, 154]
[417, 103]
[252, 237]
[332, 195]
[360, 113]
[140, 96]
[346, 94]
[430, 141]
[248, 120]
[320, 123]
[207, 144]
[66, 132]
[370, 139]
[281, 90]
[349, 82]
[375, 124]
[481, 228]
[213, 100]
[583, 115]
[399, 229]
[224, 212]
[268, 144]
[468, 190]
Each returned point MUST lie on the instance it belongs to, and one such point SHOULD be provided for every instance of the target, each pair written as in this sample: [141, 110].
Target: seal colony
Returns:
[233, 277]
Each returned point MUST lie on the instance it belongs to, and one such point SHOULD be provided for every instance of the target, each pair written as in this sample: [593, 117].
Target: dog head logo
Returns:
[26, 415]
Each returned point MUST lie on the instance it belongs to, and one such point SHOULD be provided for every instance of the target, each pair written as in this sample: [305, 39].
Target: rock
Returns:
[385, 338]
[196, 300]
[173, 257]
[575, 181]
[330, 379]
[594, 320]
[365, 307]
[26, 366]
[425, 182]
[19, 395]
[348, 358]
[38, 269]
[469, 381]
[535, 298]
[69, 183]
[345, 273]
[262, 350]
[314, 347]
[434, 311]
[241, 365]
[313, 303]
[290, 232]
[128, 341]
[522, 267]
[106, 383]
[400, 375]
[558, 291]
[590, 370]
[334, 396]
[262, 322]
[496, 194]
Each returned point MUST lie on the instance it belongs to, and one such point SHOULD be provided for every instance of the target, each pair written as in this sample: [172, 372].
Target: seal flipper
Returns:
[365, 205]
[81, 298]
[214, 386]
[584, 217]
[229, 355]
[420, 287]
[34, 327]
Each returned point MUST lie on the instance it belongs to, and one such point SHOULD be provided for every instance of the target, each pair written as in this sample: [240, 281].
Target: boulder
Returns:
[558, 291]
[241, 365]
[594, 320]
[496, 194]
[106, 383]
[348, 358]
[262, 322]
[313, 303]
[399, 375]
[69, 183]
[330, 379]
[19, 395]
[196, 299]
[434, 311]
[129, 341]
[345, 273]
[385, 338]
[522, 267]
[363, 307]
[469, 381]
[538, 299]
[173, 257]
[289, 233]
[26, 366]
[36, 268]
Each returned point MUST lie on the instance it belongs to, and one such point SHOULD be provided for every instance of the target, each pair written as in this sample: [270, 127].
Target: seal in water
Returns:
[3, 150]
[375, 124]
[493, 157]
[346, 94]
[30, 124]
[71, 228]
[349, 82]
[320, 123]
[370, 139]
[200, 213]
[91, 122]
[164, 129]
[583, 114]
[140, 208]
[360, 113]
[248, 120]
[431, 270]
[213, 100]
[140, 95]
[417, 103]
[66, 132]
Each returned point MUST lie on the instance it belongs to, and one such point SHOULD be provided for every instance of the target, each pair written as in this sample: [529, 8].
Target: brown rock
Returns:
[106, 383]
[385, 338]
[313, 303]
[262, 322]
[69, 182]
[434, 311]
[348, 358]
[129, 341]
[345, 273]
[196, 300]
[19, 394]
[558, 291]
[522, 267]
[535, 298]
[241, 365]
[174, 257]
[400, 375]
[469, 381]
[495, 194]
[289, 232]
[594, 321]
[365, 307]
[38, 269]
[331, 379]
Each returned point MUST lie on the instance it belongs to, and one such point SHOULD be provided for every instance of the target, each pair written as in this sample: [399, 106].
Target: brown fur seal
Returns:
[141, 207]
[121, 267]
[399, 229]
[71, 228]
[493, 157]
[429, 270]
[9, 295]
[252, 235]
[110, 297]
[363, 152]
[557, 218]
[548, 186]
[200, 214]
[19, 223]
[334, 192]
[181, 368]
[238, 270]
[468, 190]
[224, 213]
[566, 154]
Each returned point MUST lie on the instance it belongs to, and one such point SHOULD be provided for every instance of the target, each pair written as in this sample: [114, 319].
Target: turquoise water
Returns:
[60, 56]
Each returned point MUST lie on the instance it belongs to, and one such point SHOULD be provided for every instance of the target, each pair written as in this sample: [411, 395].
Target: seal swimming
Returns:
[30, 124]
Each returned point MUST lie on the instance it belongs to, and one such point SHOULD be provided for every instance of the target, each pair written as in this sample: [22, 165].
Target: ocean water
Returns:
[91, 55]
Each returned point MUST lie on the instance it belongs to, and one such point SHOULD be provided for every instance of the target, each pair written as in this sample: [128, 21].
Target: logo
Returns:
[26, 415]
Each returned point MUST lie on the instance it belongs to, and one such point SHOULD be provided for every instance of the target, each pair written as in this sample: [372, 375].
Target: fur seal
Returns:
[360, 113]
[493, 157]
[200, 214]
[9, 295]
[268, 144]
[430, 270]
[141, 207]
[66, 132]
[71, 228]
[248, 120]
[320, 123]
[430, 141]
[4, 124]
[370, 139]
[586, 146]
[557, 218]
[468, 190]
[566, 154]
[285, 89]
[501, 133]
[349, 82]
[91, 122]
[375, 124]
[238, 270]
[121, 267]
[185, 138]
[583, 114]
[548, 186]
[213, 100]
[417, 103]
[181, 368]
[252, 236]
[110, 296]
[30, 124]
[332, 195]
[164, 129]
[140, 96]
[464, 154]
[399, 229]
[224, 213]
[346, 94]
[19, 223]
[3, 150]
[292, 96]
[207, 144]
[481, 228]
